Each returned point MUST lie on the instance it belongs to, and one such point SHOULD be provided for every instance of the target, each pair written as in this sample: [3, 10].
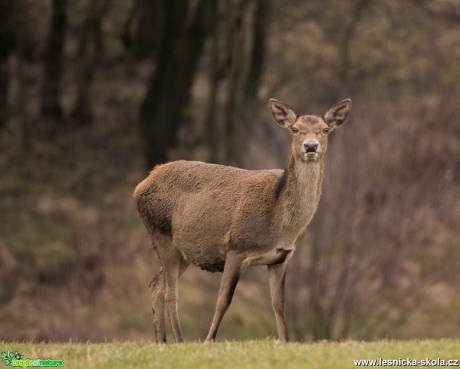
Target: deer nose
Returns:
[310, 146]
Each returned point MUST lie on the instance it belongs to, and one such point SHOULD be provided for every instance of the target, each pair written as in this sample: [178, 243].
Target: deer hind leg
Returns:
[156, 287]
[230, 277]
[157, 296]
[173, 265]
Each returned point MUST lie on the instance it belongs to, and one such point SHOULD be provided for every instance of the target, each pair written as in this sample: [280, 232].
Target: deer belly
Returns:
[272, 257]
[210, 259]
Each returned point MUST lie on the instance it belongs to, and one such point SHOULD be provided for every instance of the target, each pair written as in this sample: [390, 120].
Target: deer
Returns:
[225, 219]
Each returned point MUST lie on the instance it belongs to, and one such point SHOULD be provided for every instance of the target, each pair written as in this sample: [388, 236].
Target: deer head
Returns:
[310, 132]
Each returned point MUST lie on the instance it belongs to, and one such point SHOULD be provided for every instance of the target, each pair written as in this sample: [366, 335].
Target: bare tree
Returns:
[346, 38]
[7, 42]
[165, 105]
[237, 63]
[53, 62]
[89, 51]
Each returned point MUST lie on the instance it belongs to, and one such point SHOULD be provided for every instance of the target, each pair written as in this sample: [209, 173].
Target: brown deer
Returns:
[224, 219]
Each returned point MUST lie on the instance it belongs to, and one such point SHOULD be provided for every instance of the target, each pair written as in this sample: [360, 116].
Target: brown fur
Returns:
[208, 214]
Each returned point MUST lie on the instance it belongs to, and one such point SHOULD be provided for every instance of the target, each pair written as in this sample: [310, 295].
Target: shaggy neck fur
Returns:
[300, 192]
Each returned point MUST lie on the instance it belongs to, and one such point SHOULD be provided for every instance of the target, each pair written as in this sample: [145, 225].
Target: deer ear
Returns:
[338, 113]
[282, 113]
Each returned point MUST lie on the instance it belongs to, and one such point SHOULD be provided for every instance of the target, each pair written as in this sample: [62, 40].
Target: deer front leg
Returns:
[232, 272]
[276, 279]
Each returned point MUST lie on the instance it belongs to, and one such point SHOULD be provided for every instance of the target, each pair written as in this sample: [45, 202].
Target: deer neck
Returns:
[300, 192]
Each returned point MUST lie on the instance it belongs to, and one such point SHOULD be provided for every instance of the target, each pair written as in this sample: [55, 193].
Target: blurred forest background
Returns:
[95, 92]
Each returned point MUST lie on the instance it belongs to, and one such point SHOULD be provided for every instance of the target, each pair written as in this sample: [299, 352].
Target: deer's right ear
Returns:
[282, 113]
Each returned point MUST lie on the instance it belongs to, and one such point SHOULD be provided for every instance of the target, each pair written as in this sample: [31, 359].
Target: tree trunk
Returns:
[53, 62]
[211, 129]
[166, 103]
[258, 49]
[215, 76]
[89, 50]
[345, 41]
[6, 47]
[236, 84]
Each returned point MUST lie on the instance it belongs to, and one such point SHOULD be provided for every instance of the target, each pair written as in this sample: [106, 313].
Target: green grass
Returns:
[234, 354]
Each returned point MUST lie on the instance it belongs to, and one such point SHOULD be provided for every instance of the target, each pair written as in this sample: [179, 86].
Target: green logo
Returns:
[16, 359]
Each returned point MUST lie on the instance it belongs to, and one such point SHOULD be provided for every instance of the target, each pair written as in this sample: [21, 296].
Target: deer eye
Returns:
[326, 130]
[294, 130]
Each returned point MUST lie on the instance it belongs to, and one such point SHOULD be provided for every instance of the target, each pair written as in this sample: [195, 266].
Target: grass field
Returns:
[236, 354]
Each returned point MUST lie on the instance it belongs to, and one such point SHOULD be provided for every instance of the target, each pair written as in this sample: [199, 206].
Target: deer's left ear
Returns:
[338, 113]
